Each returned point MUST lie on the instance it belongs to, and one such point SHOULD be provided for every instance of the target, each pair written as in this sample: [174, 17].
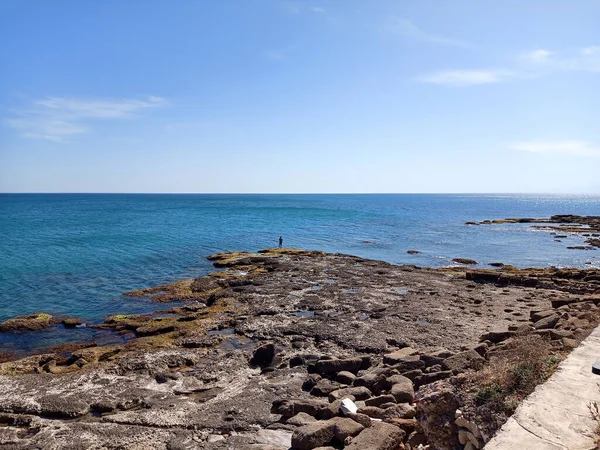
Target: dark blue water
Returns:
[74, 254]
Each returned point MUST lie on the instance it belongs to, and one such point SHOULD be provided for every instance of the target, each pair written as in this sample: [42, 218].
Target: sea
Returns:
[75, 254]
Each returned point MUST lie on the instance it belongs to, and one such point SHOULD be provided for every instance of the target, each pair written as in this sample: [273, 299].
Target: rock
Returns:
[311, 381]
[413, 252]
[313, 435]
[316, 408]
[324, 387]
[557, 303]
[559, 334]
[363, 419]
[359, 393]
[402, 388]
[417, 440]
[570, 343]
[375, 382]
[534, 315]
[372, 411]
[345, 427]
[263, 355]
[466, 261]
[345, 377]
[408, 425]
[496, 336]
[397, 356]
[379, 436]
[380, 400]
[71, 322]
[409, 363]
[546, 322]
[460, 362]
[331, 366]
[322, 432]
[301, 419]
[31, 322]
[399, 411]
[436, 406]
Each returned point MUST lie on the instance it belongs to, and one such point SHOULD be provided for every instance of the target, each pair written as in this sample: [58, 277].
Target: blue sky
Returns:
[300, 96]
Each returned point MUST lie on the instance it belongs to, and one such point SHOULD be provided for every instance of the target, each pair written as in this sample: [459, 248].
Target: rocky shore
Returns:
[299, 349]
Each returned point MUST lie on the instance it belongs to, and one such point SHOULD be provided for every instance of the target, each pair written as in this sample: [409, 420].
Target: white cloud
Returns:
[586, 59]
[467, 77]
[56, 118]
[539, 55]
[410, 30]
[573, 148]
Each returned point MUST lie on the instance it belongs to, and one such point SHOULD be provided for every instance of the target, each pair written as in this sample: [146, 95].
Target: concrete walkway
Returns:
[556, 415]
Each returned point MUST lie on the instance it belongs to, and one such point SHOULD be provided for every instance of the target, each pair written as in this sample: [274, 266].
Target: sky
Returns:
[316, 96]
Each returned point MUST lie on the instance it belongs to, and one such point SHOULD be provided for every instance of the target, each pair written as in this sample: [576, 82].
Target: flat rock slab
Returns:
[557, 415]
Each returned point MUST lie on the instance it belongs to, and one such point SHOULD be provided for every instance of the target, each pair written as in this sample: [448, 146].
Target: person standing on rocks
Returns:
[280, 241]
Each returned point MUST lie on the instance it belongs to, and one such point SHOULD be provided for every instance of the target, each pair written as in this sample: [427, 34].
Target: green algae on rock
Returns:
[31, 322]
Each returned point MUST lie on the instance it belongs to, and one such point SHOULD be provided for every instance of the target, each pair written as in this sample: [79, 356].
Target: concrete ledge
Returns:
[556, 415]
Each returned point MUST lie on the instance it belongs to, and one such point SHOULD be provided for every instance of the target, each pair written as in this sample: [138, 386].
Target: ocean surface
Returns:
[75, 254]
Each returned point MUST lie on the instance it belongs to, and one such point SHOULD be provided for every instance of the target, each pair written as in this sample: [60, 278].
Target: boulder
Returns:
[345, 377]
[409, 363]
[313, 435]
[263, 355]
[380, 400]
[375, 382]
[546, 322]
[402, 388]
[399, 411]
[496, 336]
[466, 261]
[331, 366]
[359, 393]
[300, 419]
[397, 356]
[31, 322]
[460, 362]
[324, 387]
[379, 436]
[316, 408]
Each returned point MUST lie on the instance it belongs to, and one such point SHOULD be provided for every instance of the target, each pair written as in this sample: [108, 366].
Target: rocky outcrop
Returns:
[31, 322]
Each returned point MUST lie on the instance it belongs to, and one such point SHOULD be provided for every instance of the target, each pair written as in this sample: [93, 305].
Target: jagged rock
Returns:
[380, 436]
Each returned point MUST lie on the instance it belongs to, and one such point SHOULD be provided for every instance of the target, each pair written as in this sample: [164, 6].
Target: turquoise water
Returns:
[74, 254]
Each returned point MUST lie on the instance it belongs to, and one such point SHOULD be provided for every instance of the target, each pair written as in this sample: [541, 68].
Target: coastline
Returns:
[298, 307]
